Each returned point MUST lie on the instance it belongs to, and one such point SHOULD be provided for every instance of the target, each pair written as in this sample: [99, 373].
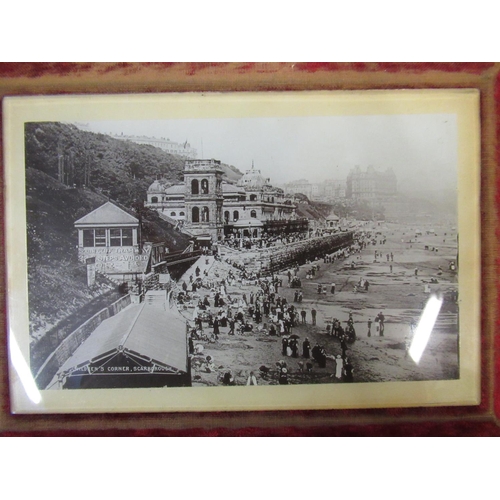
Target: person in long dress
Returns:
[284, 345]
[306, 347]
[348, 371]
[339, 365]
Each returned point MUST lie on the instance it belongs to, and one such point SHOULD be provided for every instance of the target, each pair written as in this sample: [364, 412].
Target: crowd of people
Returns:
[234, 301]
[260, 309]
[264, 241]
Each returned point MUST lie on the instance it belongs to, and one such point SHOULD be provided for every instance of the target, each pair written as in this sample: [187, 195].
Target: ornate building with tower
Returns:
[209, 208]
[203, 197]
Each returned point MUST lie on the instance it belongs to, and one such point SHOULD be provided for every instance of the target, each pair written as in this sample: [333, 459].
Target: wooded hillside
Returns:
[96, 168]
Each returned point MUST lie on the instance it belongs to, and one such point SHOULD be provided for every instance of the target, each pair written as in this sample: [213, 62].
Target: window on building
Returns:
[253, 214]
[172, 214]
[195, 188]
[100, 237]
[204, 186]
[205, 217]
[154, 199]
[226, 217]
[127, 239]
[88, 237]
[253, 197]
[236, 215]
[182, 214]
[195, 214]
[120, 237]
[94, 237]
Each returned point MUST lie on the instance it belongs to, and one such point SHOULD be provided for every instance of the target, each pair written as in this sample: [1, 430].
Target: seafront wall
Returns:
[270, 260]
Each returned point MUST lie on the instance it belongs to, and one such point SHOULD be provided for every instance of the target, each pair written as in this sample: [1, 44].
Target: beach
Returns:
[399, 286]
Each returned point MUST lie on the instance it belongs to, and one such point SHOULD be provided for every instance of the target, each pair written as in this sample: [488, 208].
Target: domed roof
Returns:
[253, 179]
[156, 187]
[333, 217]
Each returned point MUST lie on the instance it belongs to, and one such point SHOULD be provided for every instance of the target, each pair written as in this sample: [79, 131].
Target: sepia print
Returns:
[177, 249]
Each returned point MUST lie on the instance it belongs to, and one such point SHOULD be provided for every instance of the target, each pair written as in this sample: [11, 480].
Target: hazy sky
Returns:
[422, 149]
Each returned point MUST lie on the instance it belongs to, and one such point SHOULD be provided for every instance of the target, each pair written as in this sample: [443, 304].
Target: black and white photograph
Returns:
[314, 248]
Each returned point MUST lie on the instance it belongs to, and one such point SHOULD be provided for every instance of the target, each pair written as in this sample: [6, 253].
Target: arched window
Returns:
[195, 214]
[204, 186]
[226, 216]
[236, 215]
[253, 197]
[205, 214]
[181, 214]
[253, 214]
[154, 199]
[172, 214]
[195, 188]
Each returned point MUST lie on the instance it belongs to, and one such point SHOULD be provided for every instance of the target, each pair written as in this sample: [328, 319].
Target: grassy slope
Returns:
[120, 172]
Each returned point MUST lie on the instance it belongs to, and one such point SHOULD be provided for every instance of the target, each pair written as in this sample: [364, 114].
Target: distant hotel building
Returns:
[174, 148]
[371, 184]
[301, 186]
[328, 190]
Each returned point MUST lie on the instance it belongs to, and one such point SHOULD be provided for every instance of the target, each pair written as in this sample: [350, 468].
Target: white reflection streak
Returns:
[23, 371]
[425, 326]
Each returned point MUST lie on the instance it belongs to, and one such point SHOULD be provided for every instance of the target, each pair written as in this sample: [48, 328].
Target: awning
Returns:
[244, 223]
[150, 330]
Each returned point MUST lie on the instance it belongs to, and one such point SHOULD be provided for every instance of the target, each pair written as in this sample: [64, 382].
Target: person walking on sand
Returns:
[313, 314]
[306, 347]
[348, 371]
[381, 326]
[332, 289]
[303, 315]
[369, 327]
[216, 329]
[284, 345]
[343, 346]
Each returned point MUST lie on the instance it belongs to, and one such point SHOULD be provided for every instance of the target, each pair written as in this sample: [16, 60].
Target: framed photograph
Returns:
[243, 251]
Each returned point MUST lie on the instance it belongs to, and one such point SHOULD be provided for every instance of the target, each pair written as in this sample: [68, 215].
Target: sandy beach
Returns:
[397, 292]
